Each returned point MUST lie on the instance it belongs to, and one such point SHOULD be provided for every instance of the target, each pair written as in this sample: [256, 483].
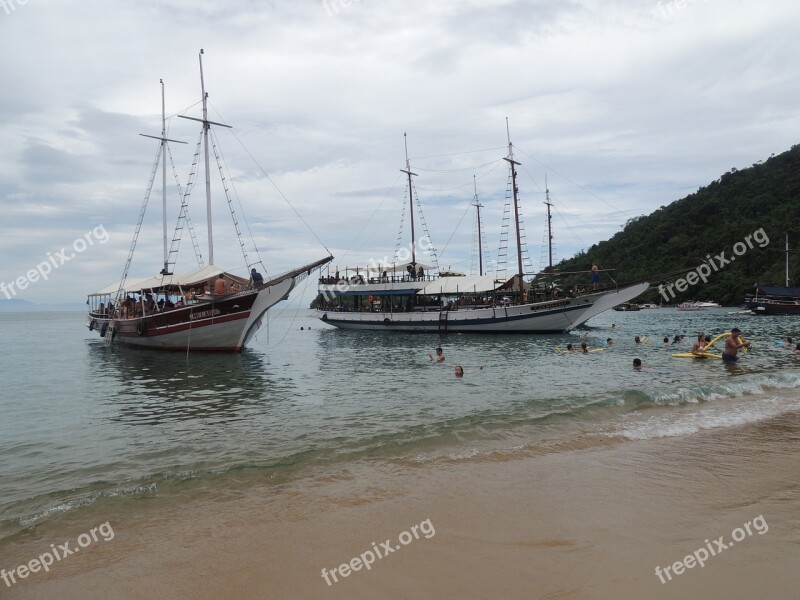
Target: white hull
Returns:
[543, 317]
[230, 333]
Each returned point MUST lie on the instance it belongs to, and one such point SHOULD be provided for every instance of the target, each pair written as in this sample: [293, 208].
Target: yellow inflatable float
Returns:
[706, 353]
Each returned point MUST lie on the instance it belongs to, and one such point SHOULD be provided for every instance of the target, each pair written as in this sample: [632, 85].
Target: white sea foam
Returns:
[715, 416]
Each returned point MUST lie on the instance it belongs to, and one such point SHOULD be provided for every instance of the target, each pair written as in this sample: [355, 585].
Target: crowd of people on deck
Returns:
[145, 303]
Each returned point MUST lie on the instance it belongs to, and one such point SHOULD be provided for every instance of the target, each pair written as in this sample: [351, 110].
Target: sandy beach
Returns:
[582, 524]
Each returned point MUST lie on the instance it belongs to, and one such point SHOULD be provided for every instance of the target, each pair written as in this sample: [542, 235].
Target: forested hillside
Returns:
[712, 220]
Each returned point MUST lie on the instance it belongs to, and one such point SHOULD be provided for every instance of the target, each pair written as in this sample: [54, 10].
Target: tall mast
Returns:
[478, 206]
[515, 190]
[208, 172]
[787, 260]
[206, 127]
[408, 172]
[164, 140]
[549, 225]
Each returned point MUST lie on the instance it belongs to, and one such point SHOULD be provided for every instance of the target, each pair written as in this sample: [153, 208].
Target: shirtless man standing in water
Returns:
[732, 345]
[439, 355]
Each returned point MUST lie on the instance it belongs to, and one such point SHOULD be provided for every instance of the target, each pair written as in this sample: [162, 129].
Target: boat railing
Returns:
[357, 280]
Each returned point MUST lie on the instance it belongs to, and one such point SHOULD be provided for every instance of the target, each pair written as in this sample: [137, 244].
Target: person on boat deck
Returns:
[421, 273]
[410, 271]
[732, 345]
[699, 347]
[594, 275]
[385, 277]
[220, 287]
[256, 279]
[149, 305]
[439, 355]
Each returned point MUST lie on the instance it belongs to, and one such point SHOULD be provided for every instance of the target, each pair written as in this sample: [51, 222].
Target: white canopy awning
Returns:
[474, 284]
[184, 280]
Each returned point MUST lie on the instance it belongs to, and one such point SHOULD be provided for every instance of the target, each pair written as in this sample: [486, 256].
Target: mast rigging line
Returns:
[469, 206]
[472, 168]
[221, 155]
[577, 185]
[264, 172]
[456, 153]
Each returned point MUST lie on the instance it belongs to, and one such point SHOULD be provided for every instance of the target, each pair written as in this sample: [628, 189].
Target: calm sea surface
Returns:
[82, 426]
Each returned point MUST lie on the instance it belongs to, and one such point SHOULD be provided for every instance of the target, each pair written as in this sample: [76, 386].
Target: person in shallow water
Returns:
[699, 347]
[732, 345]
[637, 363]
[459, 371]
[439, 355]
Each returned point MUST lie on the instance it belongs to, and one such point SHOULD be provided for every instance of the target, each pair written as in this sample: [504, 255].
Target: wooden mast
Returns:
[549, 225]
[206, 126]
[478, 206]
[408, 172]
[163, 139]
[515, 190]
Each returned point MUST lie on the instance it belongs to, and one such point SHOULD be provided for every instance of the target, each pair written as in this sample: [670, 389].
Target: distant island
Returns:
[15, 305]
[697, 229]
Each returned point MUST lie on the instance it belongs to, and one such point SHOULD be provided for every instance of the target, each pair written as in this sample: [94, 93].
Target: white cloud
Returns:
[624, 105]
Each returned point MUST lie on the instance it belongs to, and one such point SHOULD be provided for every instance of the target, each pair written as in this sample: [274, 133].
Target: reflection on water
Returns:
[154, 387]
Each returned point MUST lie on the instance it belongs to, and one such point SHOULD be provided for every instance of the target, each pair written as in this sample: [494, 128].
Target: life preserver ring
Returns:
[370, 298]
[92, 324]
[141, 328]
[103, 329]
[386, 321]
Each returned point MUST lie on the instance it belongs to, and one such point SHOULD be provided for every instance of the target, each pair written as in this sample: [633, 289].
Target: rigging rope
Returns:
[264, 172]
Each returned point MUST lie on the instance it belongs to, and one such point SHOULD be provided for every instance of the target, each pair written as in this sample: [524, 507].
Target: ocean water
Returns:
[85, 428]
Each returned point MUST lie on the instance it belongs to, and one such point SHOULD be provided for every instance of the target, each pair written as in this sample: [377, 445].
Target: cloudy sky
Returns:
[623, 105]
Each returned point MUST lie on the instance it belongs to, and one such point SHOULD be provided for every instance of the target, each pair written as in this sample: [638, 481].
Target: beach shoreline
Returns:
[591, 523]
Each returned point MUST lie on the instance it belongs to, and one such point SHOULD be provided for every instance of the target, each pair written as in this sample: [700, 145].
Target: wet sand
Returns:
[583, 524]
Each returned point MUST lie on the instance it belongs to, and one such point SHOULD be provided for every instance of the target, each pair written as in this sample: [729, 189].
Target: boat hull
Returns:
[767, 308]
[542, 317]
[221, 326]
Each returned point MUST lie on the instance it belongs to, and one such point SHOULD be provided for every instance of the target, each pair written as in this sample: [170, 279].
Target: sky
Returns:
[622, 106]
